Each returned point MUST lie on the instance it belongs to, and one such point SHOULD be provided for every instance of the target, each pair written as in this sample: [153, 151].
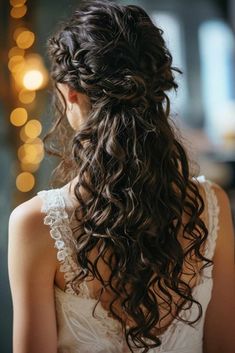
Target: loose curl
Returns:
[128, 158]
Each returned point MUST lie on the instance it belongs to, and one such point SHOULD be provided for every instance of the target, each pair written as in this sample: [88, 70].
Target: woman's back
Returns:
[78, 331]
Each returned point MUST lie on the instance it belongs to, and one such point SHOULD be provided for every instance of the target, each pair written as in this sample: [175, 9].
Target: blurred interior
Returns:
[200, 35]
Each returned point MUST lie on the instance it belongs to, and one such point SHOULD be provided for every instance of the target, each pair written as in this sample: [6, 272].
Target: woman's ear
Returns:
[69, 94]
[72, 95]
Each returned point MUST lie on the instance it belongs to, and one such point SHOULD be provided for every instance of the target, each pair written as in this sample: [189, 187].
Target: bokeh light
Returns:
[15, 51]
[19, 30]
[16, 63]
[19, 116]
[23, 136]
[26, 96]
[31, 152]
[33, 128]
[25, 39]
[29, 74]
[25, 181]
[18, 12]
[17, 3]
[29, 167]
[33, 80]
[27, 153]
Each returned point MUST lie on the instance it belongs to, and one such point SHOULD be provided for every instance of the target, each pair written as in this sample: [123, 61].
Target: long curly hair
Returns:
[131, 163]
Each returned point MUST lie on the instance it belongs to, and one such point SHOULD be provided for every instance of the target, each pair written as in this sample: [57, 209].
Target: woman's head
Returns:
[114, 61]
[112, 54]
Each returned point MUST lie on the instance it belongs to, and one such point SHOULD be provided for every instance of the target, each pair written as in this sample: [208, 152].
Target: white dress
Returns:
[78, 331]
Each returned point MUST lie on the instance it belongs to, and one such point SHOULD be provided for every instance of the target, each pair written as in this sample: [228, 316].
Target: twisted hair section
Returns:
[130, 162]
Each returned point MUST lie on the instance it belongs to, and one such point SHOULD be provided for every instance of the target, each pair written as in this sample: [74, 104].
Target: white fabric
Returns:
[78, 330]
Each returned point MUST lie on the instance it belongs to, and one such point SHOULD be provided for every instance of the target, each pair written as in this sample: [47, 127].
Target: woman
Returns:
[132, 228]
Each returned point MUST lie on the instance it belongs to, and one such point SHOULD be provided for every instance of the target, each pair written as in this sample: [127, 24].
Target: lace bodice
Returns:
[78, 330]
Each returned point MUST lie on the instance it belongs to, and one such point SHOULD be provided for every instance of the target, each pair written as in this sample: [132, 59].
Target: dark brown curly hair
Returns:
[129, 159]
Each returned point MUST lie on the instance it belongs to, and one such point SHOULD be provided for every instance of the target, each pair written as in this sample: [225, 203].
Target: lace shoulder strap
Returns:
[213, 215]
[57, 218]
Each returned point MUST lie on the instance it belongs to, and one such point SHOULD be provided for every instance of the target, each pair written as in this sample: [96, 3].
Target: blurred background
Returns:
[200, 35]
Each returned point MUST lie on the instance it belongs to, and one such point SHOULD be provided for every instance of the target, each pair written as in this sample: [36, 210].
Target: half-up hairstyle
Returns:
[128, 158]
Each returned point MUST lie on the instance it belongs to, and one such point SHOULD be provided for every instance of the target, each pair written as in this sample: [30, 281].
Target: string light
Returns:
[25, 39]
[25, 181]
[23, 136]
[33, 80]
[19, 30]
[19, 116]
[28, 153]
[33, 128]
[17, 3]
[29, 167]
[16, 63]
[26, 96]
[31, 152]
[15, 51]
[18, 12]
[29, 75]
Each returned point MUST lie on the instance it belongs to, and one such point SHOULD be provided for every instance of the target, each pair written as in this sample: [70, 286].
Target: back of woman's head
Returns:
[134, 168]
[114, 54]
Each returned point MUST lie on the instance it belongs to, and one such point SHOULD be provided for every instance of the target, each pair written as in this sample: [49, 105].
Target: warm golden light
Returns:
[27, 139]
[33, 80]
[25, 39]
[29, 167]
[31, 152]
[19, 116]
[33, 128]
[29, 73]
[37, 142]
[23, 136]
[34, 60]
[25, 181]
[17, 3]
[22, 151]
[18, 79]
[15, 51]
[18, 12]
[26, 96]
[19, 30]
[32, 155]
[16, 63]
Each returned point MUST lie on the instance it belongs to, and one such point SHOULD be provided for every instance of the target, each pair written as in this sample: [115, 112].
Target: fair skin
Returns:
[79, 102]
[34, 269]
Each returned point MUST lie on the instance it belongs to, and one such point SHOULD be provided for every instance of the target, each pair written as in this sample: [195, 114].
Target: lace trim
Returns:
[58, 220]
[213, 210]
[213, 226]
[213, 216]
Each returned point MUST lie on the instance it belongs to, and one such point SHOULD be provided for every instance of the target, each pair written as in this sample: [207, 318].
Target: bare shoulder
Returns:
[26, 226]
[28, 212]
[31, 269]
[221, 194]
[219, 333]
[225, 236]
